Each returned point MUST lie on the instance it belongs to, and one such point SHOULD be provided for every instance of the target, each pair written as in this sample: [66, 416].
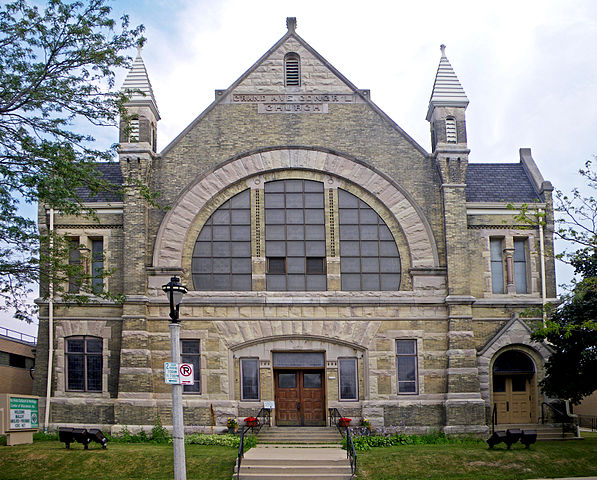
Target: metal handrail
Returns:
[19, 336]
[494, 418]
[564, 417]
[334, 419]
[264, 416]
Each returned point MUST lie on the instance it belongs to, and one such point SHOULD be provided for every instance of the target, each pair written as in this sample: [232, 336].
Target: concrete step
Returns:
[299, 435]
[266, 462]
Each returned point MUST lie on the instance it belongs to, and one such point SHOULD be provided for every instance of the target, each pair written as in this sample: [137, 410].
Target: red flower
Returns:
[250, 419]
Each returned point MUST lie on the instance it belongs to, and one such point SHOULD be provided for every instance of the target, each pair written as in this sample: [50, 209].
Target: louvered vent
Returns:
[292, 70]
[451, 136]
[134, 130]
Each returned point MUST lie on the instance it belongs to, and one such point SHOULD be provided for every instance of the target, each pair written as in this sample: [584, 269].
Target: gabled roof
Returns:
[113, 175]
[138, 87]
[500, 182]
[447, 91]
[292, 35]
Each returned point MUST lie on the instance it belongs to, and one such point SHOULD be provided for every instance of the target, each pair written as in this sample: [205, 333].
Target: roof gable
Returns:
[266, 77]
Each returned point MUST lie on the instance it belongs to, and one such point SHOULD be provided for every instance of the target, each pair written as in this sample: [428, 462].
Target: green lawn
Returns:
[477, 462]
[49, 460]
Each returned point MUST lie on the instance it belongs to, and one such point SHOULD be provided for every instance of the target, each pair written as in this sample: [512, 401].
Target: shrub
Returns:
[158, 433]
[366, 442]
[225, 440]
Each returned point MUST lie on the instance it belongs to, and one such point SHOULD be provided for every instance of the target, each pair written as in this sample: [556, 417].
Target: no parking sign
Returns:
[185, 373]
[179, 373]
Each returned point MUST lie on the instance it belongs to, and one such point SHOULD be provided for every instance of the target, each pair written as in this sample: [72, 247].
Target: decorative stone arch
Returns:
[168, 250]
[515, 335]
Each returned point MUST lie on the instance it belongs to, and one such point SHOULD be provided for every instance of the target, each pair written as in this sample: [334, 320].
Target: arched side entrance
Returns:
[514, 387]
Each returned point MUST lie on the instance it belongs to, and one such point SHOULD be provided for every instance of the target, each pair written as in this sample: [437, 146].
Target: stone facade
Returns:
[323, 130]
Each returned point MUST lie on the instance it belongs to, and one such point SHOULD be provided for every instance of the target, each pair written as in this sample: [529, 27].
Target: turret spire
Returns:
[138, 80]
[447, 91]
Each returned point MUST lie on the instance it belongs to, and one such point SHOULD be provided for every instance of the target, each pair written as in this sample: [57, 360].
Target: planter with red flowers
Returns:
[251, 422]
[344, 422]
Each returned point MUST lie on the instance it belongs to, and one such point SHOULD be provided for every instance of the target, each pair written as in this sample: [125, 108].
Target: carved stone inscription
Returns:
[293, 103]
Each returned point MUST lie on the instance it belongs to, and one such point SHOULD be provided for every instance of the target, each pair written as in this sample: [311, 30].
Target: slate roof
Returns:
[499, 182]
[110, 172]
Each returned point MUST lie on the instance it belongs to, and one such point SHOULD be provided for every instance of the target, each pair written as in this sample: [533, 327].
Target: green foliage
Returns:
[158, 433]
[366, 442]
[224, 440]
[57, 72]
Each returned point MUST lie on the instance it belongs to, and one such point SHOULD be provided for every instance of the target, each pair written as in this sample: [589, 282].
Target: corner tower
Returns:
[464, 408]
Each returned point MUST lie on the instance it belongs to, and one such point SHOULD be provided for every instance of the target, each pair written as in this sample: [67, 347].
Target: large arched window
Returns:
[293, 244]
[369, 258]
[222, 254]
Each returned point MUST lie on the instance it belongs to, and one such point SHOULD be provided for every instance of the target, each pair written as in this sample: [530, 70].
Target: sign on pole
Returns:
[171, 373]
[185, 371]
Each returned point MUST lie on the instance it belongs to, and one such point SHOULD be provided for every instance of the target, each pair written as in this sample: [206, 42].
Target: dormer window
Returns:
[292, 70]
[451, 135]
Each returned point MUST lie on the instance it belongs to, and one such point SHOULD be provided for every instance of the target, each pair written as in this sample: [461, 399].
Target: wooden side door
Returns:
[287, 397]
[312, 398]
[513, 398]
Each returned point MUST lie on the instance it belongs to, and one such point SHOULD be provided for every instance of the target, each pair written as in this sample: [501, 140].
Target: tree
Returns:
[57, 69]
[571, 328]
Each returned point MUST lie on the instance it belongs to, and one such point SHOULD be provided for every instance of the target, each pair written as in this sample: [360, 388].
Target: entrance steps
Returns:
[544, 431]
[299, 435]
[293, 462]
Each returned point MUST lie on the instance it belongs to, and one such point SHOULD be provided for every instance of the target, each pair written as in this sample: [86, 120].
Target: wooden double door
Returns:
[299, 396]
[513, 398]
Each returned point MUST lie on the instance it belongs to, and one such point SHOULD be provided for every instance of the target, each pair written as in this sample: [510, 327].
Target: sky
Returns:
[527, 66]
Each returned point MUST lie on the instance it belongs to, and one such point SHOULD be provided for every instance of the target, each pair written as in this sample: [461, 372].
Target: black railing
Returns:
[262, 418]
[562, 417]
[587, 421]
[334, 417]
[493, 418]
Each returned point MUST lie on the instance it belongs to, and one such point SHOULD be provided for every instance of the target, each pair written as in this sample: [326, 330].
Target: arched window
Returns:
[451, 134]
[222, 254]
[84, 360]
[369, 258]
[292, 70]
[513, 361]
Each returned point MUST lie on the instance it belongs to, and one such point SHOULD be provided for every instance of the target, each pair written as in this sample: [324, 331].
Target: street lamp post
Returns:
[174, 290]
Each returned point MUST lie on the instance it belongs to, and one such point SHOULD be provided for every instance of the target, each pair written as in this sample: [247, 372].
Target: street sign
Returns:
[185, 371]
[23, 413]
[171, 373]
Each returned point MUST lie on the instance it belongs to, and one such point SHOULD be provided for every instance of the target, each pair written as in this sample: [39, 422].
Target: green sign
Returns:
[23, 413]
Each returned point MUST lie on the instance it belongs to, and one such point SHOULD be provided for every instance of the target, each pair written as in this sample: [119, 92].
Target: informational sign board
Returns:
[270, 404]
[179, 373]
[23, 413]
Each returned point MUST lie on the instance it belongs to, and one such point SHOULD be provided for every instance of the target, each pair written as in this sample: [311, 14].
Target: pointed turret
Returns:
[142, 109]
[447, 106]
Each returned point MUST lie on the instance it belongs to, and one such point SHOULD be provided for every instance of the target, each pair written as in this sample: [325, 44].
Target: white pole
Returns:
[180, 470]
[543, 283]
[50, 328]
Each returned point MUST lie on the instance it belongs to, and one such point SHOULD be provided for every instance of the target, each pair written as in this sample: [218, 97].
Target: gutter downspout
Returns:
[50, 331]
[543, 284]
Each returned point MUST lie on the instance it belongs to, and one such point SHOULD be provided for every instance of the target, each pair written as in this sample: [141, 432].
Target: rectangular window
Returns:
[97, 265]
[497, 266]
[191, 353]
[315, 265]
[520, 265]
[249, 373]
[84, 361]
[276, 265]
[406, 365]
[347, 375]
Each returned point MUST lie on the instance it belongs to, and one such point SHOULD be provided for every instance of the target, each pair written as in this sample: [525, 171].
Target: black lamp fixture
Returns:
[174, 290]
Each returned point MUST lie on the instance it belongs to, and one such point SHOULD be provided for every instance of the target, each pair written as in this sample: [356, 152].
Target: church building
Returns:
[331, 262]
